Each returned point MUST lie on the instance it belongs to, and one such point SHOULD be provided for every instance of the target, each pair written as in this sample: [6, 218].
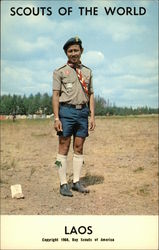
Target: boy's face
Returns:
[74, 53]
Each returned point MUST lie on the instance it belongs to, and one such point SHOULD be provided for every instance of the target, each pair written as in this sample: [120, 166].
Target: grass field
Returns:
[120, 169]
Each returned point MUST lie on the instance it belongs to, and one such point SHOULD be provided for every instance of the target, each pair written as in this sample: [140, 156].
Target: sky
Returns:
[121, 50]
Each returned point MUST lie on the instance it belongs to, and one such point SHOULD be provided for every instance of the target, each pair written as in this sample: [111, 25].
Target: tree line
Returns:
[105, 107]
[42, 103]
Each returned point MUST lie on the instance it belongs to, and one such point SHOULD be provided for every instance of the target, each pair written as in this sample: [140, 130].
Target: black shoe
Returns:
[77, 186]
[64, 190]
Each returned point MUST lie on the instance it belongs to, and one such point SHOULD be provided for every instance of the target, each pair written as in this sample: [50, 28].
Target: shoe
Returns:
[77, 186]
[64, 190]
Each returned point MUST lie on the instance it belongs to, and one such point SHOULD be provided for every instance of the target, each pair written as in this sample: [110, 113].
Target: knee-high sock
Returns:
[61, 164]
[77, 166]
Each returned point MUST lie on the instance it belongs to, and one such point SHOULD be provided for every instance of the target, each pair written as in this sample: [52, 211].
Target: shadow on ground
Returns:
[89, 180]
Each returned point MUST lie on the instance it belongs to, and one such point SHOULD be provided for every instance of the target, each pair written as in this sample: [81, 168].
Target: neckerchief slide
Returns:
[80, 77]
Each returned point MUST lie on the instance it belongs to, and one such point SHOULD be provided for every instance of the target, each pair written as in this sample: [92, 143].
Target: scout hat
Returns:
[71, 41]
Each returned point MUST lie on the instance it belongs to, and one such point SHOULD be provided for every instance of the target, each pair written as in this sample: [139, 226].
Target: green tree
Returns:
[46, 104]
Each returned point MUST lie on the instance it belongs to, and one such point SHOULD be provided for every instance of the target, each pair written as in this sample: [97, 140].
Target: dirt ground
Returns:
[120, 169]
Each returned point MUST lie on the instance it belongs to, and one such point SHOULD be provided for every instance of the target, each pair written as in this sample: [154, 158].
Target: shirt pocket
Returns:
[68, 83]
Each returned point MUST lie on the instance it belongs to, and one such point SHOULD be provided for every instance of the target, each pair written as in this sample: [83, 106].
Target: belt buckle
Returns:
[79, 106]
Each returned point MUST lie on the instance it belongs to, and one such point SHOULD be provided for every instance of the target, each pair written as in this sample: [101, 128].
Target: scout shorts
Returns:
[74, 121]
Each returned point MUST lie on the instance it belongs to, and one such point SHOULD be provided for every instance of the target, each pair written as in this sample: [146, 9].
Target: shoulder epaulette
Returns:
[62, 66]
[85, 66]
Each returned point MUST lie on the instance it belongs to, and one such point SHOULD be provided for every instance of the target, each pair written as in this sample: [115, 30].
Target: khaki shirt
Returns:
[65, 80]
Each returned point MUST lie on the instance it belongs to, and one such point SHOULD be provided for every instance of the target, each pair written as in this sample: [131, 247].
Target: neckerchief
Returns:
[76, 67]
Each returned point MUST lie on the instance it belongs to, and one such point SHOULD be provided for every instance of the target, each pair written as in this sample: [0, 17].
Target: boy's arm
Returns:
[55, 105]
[92, 112]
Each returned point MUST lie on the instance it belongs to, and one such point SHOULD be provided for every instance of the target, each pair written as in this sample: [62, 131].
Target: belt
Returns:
[78, 106]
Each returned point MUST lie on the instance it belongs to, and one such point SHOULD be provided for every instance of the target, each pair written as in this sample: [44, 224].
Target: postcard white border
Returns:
[128, 232]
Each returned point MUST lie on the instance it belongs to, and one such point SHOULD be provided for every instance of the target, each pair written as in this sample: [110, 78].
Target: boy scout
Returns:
[72, 92]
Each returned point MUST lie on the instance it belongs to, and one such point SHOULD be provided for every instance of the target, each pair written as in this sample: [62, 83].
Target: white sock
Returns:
[77, 166]
[61, 164]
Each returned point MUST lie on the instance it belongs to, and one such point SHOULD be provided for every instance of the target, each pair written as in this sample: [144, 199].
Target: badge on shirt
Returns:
[69, 86]
[67, 72]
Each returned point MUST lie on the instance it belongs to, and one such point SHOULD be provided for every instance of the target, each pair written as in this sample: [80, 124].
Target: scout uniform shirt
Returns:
[65, 80]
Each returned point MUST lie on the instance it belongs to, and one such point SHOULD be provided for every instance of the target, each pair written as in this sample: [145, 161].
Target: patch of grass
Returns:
[143, 190]
[9, 121]
[154, 162]
[123, 166]
[5, 166]
[137, 170]
[37, 121]
[13, 163]
[127, 192]
[40, 135]
[8, 165]
[127, 116]
[32, 171]
[27, 122]
[3, 182]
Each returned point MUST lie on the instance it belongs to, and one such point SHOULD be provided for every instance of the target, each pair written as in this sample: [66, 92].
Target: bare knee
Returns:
[78, 145]
[78, 149]
[64, 144]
